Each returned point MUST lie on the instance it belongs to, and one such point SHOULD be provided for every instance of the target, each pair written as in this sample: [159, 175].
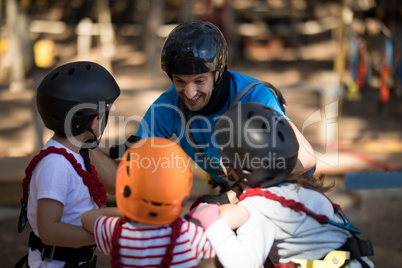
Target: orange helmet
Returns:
[153, 181]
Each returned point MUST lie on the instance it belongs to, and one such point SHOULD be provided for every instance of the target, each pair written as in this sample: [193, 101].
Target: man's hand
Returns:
[204, 215]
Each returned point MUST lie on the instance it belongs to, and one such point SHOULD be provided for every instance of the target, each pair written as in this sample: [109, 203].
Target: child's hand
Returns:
[204, 214]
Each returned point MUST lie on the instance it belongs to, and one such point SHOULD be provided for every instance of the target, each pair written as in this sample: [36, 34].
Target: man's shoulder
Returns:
[241, 78]
[240, 81]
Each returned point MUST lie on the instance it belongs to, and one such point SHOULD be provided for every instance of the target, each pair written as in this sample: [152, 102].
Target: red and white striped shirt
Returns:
[143, 245]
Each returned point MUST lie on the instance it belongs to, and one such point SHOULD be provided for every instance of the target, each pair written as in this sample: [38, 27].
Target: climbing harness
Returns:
[354, 246]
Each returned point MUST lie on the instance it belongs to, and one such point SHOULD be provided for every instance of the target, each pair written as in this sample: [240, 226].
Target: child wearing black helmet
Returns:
[291, 221]
[73, 100]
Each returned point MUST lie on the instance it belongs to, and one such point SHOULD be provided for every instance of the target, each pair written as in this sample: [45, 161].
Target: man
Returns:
[194, 56]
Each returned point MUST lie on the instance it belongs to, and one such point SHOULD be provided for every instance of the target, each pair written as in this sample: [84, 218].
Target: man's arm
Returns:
[106, 168]
[306, 158]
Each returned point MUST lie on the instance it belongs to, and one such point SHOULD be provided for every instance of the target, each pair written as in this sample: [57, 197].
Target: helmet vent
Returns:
[190, 55]
[88, 67]
[71, 71]
[156, 204]
[54, 76]
[264, 126]
[281, 137]
[153, 214]
[174, 54]
[250, 114]
[127, 191]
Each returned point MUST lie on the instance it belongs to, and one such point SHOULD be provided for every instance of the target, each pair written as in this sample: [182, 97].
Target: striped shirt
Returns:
[143, 245]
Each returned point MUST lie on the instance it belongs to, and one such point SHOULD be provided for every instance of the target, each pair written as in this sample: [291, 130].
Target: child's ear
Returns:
[93, 122]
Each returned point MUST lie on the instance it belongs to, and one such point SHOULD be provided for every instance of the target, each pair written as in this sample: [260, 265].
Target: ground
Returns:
[369, 140]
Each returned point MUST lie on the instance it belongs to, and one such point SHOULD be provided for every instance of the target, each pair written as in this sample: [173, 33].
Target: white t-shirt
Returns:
[145, 245]
[279, 231]
[55, 178]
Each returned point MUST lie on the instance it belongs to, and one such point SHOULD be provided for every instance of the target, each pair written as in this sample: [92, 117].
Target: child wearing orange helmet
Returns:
[153, 183]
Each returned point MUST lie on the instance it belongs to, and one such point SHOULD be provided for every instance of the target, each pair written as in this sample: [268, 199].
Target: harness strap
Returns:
[176, 230]
[274, 90]
[167, 258]
[357, 247]
[115, 251]
[21, 262]
[190, 135]
[90, 179]
[297, 206]
[287, 265]
[66, 254]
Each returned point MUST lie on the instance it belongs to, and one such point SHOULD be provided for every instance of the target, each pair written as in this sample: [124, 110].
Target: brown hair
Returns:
[311, 182]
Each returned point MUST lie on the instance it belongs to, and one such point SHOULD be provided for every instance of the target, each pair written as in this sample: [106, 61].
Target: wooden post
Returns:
[84, 39]
[14, 50]
[153, 46]
[106, 34]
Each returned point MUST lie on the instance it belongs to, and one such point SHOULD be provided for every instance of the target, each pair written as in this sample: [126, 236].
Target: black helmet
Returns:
[194, 47]
[257, 143]
[69, 85]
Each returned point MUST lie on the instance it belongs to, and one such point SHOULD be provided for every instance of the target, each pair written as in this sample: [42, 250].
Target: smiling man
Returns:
[195, 57]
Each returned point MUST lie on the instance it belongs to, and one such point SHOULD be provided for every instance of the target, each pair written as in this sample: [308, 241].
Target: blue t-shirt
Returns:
[164, 119]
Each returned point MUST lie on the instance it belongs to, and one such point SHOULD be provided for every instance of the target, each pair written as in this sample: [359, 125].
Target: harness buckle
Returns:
[48, 253]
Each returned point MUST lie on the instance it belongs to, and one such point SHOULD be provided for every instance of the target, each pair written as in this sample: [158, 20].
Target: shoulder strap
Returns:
[297, 206]
[274, 90]
[115, 250]
[290, 203]
[184, 120]
[90, 177]
[176, 231]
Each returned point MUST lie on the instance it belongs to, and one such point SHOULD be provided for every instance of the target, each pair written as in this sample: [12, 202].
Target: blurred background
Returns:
[338, 64]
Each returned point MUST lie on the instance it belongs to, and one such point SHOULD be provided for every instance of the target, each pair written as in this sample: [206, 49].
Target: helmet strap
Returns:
[93, 143]
[89, 144]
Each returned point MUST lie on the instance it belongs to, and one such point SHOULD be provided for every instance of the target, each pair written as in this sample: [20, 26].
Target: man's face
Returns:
[195, 90]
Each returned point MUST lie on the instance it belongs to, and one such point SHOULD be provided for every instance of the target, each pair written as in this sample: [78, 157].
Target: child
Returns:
[289, 216]
[153, 183]
[60, 184]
